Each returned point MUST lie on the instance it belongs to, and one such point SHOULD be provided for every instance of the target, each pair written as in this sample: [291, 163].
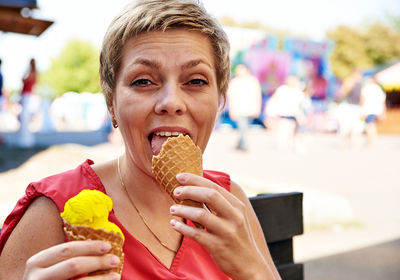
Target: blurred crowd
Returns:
[70, 112]
[36, 109]
[291, 110]
[288, 112]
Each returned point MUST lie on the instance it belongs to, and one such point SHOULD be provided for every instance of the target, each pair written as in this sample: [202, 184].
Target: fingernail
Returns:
[173, 222]
[114, 260]
[177, 191]
[172, 209]
[115, 276]
[105, 247]
[181, 177]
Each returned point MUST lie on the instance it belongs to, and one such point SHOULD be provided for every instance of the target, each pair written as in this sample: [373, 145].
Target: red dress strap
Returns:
[220, 178]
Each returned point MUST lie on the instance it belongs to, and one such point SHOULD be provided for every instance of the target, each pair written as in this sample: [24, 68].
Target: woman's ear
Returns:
[221, 103]
[112, 116]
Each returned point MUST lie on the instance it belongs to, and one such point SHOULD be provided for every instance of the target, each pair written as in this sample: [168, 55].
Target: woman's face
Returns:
[166, 85]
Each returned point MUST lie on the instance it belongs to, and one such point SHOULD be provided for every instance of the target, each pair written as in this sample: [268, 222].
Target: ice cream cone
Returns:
[178, 155]
[81, 232]
[85, 217]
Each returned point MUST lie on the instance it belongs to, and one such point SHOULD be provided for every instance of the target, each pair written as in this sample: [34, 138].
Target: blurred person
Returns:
[1, 87]
[25, 136]
[244, 102]
[316, 84]
[289, 104]
[164, 70]
[350, 90]
[46, 94]
[1, 98]
[373, 107]
[348, 112]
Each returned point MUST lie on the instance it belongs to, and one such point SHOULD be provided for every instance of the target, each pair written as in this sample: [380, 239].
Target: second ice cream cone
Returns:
[80, 232]
[178, 155]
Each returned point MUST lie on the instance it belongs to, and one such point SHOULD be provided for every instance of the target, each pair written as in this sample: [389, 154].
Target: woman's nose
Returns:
[170, 100]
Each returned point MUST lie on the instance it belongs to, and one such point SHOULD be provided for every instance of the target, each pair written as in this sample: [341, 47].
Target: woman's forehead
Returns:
[176, 43]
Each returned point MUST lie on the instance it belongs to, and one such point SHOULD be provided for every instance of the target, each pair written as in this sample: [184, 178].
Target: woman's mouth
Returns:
[157, 139]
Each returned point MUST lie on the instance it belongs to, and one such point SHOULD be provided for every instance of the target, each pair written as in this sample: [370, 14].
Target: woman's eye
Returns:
[198, 82]
[141, 82]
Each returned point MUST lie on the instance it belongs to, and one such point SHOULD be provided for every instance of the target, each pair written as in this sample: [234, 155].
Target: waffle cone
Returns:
[80, 232]
[178, 155]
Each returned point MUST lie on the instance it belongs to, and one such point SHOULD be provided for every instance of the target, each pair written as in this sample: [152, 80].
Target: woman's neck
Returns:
[143, 188]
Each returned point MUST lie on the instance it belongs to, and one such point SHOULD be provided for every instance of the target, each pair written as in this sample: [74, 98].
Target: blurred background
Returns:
[325, 119]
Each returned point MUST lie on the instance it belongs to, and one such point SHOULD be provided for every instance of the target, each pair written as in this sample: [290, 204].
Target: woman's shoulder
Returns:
[224, 180]
[56, 189]
[39, 228]
[62, 186]
[81, 177]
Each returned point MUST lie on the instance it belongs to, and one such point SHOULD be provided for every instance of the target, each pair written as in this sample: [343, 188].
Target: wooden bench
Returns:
[281, 218]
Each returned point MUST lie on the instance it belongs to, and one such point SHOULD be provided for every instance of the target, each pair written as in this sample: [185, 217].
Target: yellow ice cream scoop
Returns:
[90, 208]
[85, 217]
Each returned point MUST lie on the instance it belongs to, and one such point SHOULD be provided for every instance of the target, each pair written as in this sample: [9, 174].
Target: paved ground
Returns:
[351, 195]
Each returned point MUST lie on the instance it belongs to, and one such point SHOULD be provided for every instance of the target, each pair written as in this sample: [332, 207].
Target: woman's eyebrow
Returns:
[147, 62]
[194, 63]
[156, 65]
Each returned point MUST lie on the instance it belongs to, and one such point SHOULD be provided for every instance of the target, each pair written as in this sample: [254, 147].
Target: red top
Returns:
[28, 84]
[192, 261]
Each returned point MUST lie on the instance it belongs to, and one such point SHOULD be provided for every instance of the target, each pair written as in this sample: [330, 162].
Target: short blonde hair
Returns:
[159, 15]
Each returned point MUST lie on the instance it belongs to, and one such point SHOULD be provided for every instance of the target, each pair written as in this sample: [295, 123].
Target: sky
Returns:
[89, 19]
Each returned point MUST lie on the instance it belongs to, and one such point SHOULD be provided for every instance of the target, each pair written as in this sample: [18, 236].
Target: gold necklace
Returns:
[140, 214]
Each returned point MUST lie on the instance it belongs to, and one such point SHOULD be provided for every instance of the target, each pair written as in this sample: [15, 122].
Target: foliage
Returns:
[394, 20]
[349, 51]
[357, 48]
[228, 21]
[76, 69]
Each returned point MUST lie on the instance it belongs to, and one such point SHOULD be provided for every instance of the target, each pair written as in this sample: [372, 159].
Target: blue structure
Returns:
[310, 62]
[19, 3]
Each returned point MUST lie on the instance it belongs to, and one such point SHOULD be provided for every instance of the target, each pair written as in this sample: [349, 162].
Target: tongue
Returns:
[156, 143]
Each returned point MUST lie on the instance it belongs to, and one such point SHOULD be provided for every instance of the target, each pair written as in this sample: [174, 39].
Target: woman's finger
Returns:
[77, 266]
[68, 250]
[214, 200]
[217, 225]
[200, 215]
[187, 179]
[202, 237]
[108, 276]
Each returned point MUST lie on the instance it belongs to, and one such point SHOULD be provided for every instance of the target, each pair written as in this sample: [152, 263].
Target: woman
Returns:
[25, 136]
[287, 103]
[245, 97]
[164, 68]
[373, 107]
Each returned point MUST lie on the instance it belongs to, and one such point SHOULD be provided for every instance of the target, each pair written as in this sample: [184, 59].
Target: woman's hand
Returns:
[71, 259]
[229, 237]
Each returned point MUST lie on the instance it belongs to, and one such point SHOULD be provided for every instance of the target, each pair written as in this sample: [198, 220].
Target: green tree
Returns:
[76, 69]
[382, 43]
[394, 20]
[349, 51]
[231, 22]
[362, 48]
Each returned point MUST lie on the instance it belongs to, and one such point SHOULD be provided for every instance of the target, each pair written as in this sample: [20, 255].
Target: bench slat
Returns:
[281, 218]
[280, 215]
[292, 271]
[281, 251]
